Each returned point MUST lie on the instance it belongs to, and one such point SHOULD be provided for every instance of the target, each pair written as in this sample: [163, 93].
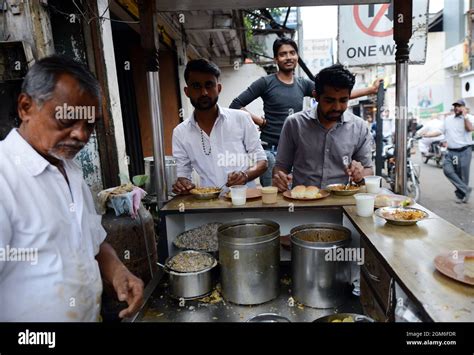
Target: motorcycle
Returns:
[413, 171]
[437, 152]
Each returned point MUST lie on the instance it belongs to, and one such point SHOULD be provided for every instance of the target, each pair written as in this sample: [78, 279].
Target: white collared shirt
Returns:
[234, 145]
[40, 212]
[455, 131]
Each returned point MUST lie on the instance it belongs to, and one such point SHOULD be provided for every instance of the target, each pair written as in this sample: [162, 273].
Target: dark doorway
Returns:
[123, 37]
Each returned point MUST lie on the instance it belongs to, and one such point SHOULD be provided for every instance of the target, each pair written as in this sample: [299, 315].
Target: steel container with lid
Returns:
[170, 171]
[249, 254]
[319, 278]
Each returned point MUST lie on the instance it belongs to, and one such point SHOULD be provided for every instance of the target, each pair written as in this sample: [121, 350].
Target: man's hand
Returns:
[183, 186]
[236, 178]
[281, 180]
[356, 171]
[129, 288]
[375, 86]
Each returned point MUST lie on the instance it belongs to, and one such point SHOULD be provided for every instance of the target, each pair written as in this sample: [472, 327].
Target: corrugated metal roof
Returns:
[189, 5]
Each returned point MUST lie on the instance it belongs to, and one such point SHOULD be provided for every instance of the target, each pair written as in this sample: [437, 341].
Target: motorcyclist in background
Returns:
[433, 125]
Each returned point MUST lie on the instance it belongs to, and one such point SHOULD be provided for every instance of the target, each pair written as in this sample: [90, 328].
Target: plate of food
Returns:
[343, 190]
[251, 193]
[392, 200]
[457, 264]
[306, 193]
[401, 216]
[205, 193]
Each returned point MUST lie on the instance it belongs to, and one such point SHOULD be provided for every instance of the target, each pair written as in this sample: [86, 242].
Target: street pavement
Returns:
[437, 194]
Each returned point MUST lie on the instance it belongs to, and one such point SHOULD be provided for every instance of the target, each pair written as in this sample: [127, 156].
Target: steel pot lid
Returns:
[248, 231]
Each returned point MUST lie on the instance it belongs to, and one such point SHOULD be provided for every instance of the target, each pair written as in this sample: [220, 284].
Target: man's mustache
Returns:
[73, 145]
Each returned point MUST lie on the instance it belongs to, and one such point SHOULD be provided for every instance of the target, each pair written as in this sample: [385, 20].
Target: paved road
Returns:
[437, 194]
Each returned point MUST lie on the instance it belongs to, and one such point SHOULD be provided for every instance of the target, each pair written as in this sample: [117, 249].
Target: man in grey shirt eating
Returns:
[326, 144]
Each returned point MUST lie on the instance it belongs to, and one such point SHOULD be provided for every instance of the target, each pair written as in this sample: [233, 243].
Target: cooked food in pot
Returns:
[202, 238]
[190, 262]
[321, 236]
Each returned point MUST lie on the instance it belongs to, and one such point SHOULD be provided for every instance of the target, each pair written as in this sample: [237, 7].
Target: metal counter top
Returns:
[160, 307]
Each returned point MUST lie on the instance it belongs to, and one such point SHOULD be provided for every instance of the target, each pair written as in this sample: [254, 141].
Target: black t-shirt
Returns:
[280, 100]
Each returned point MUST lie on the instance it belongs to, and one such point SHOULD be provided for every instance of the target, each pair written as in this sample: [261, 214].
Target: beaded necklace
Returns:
[204, 146]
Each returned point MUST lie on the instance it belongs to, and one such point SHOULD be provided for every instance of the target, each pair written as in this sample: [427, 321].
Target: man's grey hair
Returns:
[41, 79]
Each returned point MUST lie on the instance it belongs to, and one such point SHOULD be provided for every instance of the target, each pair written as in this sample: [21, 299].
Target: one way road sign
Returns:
[366, 34]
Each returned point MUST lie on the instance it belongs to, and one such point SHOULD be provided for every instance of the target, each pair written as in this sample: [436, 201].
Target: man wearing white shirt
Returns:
[46, 209]
[221, 144]
[457, 129]
[436, 124]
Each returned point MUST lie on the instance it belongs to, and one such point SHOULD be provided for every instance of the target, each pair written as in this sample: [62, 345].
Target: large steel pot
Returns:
[249, 254]
[189, 285]
[316, 281]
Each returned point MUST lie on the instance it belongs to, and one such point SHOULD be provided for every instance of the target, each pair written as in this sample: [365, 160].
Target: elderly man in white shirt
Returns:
[52, 249]
[221, 144]
[458, 130]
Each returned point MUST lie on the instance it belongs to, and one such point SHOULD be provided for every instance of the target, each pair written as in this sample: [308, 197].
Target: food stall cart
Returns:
[398, 271]
[398, 277]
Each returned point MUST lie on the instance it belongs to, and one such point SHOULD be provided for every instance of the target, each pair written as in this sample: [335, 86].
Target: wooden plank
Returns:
[191, 5]
[202, 48]
[105, 127]
[215, 45]
[220, 35]
[408, 254]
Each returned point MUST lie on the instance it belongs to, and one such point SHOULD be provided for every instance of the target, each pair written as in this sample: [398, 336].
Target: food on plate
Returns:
[342, 187]
[205, 190]
[298, 191]
[311, 192]
[469, 265]
[405, 215]
[405, 203]
[303, 192]
[190, 262]
[393, 201]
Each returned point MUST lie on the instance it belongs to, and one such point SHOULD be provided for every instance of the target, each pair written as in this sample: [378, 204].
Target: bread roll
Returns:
[469, 265]
[311, 192]
[298, 191]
